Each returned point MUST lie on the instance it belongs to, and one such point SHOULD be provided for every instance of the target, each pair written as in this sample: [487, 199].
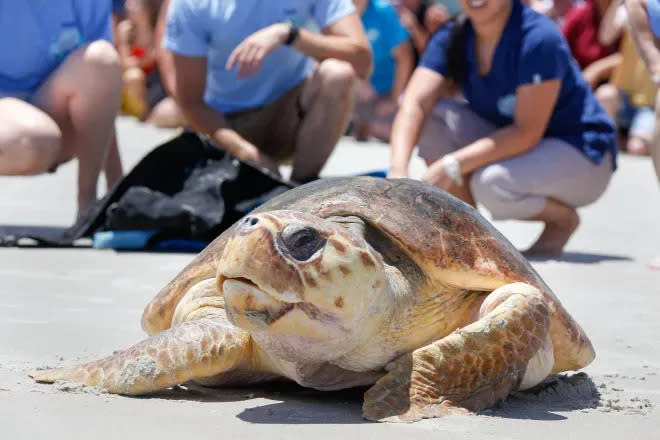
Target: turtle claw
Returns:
[50, 375]
[42, 376]
[394, 399]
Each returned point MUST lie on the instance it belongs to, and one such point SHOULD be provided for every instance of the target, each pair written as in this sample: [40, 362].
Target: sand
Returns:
[62, 306]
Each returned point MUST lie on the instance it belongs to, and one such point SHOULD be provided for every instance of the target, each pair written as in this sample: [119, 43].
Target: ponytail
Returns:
[456, 60]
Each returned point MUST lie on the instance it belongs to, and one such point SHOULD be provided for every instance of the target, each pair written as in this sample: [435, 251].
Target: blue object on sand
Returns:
[179, 245]
[378, 173]
[122, 239]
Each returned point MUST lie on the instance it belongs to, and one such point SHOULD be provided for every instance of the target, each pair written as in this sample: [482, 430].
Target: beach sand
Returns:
[61, 306]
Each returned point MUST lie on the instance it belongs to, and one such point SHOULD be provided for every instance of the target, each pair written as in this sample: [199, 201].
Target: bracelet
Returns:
[453, 168]
[656, 79]
[293, 33]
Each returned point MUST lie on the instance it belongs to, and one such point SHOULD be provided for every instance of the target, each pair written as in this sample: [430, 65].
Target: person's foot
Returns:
[638, 146]
[655, 263]
[554, 237]
[361, 132]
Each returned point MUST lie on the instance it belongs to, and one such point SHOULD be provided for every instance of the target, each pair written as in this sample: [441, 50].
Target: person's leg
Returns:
[112, 167]
[166, 114]
[30, 140]
[609, 97]
[134, 100]
[545, 184]
[641, 132]
[365, 108]
[327, 101]
[82, 96]
[451, 126]
[655, 143]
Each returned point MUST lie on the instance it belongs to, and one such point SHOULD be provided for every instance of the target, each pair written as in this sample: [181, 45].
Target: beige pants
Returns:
[273, 128]
[517, 187]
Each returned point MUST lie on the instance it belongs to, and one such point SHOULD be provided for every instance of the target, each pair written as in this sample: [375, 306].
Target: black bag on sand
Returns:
[185, 189]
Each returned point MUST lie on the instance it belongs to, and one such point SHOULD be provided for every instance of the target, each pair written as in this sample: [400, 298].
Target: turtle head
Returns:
[302, 285]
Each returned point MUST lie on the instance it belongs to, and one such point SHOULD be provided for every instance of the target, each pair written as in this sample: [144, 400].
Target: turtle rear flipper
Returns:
[190, 350]
[473, 367]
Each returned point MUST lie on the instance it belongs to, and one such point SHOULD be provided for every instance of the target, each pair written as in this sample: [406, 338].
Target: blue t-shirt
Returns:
[35, 37]
[213, 28]
[531, 50]
[385, 32]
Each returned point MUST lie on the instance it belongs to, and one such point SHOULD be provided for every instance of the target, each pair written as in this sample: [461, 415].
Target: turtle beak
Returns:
[253, 257]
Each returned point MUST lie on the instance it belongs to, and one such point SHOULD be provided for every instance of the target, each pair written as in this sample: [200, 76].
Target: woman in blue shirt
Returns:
[531, 142]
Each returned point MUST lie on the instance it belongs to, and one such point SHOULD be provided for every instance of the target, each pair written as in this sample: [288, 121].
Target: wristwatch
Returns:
[453, 168]
[293, 33]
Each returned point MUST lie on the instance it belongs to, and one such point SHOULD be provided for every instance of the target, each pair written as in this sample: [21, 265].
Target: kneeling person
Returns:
[265, 88]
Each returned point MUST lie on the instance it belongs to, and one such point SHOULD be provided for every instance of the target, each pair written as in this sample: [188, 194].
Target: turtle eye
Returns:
[300, 242]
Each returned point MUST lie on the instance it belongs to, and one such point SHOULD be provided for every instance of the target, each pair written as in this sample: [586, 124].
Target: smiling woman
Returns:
[526, 135]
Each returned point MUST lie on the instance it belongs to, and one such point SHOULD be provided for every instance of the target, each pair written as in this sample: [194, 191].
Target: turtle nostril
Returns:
[248, 223]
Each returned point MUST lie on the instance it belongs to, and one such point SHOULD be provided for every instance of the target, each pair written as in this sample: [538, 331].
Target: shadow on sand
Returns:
[298, 405]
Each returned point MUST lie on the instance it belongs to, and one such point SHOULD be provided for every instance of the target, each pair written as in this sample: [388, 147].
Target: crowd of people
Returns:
[519, 105]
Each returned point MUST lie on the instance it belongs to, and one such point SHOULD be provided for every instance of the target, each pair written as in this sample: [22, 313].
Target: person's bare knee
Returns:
[609, 98]
[30, 141]
[101, 53]
[337, 78]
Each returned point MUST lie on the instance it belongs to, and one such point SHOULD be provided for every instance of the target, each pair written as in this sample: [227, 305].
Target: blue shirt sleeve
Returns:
[327, 12]
[544, 56]
[397, 33]
[95, 20]
[187, 31]
[435, 55]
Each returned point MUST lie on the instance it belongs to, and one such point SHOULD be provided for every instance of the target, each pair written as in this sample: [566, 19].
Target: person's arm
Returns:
[601, 70]
[612, 24]
[534, 106]
[343, 40]
[424, 89]
[418, 33]
[123, 44]
[647, 44]
[164, 56]
[404, 60]
[190, 83]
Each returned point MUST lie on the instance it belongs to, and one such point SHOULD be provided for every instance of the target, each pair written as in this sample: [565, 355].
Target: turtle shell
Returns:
[448, 239]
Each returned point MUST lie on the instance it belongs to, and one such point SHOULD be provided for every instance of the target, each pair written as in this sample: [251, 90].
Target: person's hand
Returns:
[385, 108]
[266, 162]
[436, 16]
[251, 52]
[436, 175]
[364, 91]
[408, 20]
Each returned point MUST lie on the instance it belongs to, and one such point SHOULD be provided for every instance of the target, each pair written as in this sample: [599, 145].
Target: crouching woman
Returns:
[527, 138]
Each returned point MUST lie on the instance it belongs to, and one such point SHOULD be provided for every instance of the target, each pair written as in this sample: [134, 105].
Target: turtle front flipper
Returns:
[195, 349]
[507, 348]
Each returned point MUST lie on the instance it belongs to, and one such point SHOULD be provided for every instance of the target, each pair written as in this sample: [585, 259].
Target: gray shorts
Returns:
[517, 187]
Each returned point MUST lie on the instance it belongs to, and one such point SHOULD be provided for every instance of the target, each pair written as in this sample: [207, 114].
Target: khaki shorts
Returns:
[273, 128]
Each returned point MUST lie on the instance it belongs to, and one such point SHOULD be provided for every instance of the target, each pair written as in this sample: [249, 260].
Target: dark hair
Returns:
[456, 62]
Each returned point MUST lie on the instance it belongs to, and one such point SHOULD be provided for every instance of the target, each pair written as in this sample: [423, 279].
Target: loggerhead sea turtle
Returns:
[350, 282]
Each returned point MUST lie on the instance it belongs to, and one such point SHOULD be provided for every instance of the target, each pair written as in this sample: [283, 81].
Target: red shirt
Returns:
[581, 31]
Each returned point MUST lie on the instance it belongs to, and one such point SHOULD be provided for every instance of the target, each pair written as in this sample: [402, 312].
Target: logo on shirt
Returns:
[373, 34]
[68, 40]
[506, 105]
